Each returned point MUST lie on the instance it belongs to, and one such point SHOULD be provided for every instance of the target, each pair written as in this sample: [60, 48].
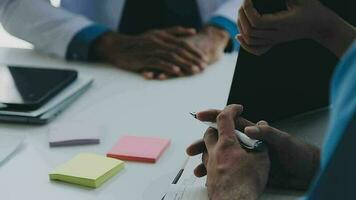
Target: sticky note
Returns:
[88, 170]
[73, 133]
[141, 149]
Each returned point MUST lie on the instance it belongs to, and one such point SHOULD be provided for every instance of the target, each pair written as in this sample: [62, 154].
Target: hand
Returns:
[293, 162]
[212, 41]
[303, 19]
[232, 172]
[159, 50]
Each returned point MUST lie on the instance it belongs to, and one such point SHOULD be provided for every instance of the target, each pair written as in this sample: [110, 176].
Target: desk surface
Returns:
[124, 103]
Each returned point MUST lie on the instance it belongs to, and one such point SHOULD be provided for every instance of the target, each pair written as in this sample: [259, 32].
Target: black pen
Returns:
[176, 179]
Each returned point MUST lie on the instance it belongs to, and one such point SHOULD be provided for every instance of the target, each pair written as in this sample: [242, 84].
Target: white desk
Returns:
[124, 103]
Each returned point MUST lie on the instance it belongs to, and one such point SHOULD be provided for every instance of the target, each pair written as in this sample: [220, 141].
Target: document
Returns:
[189, 187]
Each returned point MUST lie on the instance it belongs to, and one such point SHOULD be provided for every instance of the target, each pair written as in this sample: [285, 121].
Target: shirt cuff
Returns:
[80, 46]
[230, 27]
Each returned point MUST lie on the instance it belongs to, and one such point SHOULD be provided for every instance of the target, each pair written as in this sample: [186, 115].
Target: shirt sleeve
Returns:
[225, 17]
[48, 28]
[80, 46]
[230, 27]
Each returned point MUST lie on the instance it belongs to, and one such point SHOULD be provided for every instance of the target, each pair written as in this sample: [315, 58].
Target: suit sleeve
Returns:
[48, 28]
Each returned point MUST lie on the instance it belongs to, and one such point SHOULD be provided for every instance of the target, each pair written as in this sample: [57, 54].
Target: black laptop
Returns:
[291, 79]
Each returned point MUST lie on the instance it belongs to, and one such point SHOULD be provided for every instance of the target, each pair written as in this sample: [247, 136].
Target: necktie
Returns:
[142, 15]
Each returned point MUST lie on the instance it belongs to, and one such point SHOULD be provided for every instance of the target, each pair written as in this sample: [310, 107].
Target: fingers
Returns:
[196, 148]
[266, 20]
[247, 29]
[226, 122]
[184, 64]
[208, 115]
[200, 170]
[184, 49]
[180, 31]
[262, 131]
[210, 138]
[169, 68]
[256, 50]
[211, 115]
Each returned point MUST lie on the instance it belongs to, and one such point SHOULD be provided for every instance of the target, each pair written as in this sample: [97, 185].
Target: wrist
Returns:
[242, 192]
[334, 33]
[216, 34]
[105, 44]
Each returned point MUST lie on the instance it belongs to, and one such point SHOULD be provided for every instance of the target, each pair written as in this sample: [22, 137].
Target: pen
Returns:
[176, 179]
[245, 141]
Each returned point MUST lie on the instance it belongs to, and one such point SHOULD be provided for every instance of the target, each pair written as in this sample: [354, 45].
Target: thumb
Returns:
[262, 131]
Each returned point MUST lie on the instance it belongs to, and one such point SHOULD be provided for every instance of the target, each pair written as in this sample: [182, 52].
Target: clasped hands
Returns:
[165, 53]
[235, 173]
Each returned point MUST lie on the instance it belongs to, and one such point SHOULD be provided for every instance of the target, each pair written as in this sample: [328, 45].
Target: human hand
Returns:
[212, 41]
[303, 19]
[293, 162]
[232, 172]
[158, 51]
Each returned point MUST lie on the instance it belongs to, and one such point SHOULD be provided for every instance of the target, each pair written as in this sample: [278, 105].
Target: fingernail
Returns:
[252, 129]
[195, 69]
[162, 77]
[176, 69]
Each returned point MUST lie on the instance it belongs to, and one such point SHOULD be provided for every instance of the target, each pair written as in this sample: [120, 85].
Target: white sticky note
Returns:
[74, 133]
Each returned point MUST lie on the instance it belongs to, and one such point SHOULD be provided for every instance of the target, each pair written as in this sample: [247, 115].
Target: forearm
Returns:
[243, 192]
[216, 34]
[335, 33]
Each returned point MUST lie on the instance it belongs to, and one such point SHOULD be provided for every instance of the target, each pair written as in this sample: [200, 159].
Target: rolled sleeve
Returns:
[80, 46]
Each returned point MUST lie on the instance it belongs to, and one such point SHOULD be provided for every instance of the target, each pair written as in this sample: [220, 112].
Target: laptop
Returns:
[291, 79]
[38, 95]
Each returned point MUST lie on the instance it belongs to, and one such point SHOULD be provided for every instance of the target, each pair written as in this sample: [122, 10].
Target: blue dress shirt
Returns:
[337, 175]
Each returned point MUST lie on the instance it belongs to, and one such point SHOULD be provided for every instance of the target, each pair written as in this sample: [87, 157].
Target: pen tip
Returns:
[194, 114]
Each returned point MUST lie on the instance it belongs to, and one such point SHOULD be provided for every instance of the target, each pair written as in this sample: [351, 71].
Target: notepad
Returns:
[141, 149]
[88, 170]
[73, 133]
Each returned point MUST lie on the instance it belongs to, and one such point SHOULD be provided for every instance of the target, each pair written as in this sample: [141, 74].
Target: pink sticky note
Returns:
[141, 149]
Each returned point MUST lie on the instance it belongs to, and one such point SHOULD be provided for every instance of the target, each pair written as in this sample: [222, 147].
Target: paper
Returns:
[9, 143]
[73, 133]
[87, 169]
[62, 96]
[142, 149]
[189, 187]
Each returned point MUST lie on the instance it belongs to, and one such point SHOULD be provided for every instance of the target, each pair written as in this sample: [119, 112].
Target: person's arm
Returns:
[334, 33]
[218, 34]
[233, 173]
[302, 20]
[225, 18]
[49, 29]
[66, 35]
[294, 163]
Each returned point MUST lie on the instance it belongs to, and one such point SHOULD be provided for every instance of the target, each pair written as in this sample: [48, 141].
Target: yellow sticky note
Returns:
[87, 169]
